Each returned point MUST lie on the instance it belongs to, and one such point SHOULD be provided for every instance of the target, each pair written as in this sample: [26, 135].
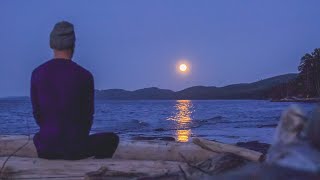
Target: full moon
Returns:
[183, 67]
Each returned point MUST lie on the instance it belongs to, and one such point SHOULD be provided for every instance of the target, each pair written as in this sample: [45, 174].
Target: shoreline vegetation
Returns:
[306, 86]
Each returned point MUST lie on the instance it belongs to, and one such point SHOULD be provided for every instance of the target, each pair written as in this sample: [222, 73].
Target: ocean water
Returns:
[222, 120]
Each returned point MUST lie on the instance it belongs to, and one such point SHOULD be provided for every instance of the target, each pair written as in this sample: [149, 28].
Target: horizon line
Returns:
[20, 96]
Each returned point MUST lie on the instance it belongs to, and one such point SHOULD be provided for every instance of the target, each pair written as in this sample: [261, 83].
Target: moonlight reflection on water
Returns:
[183, 119]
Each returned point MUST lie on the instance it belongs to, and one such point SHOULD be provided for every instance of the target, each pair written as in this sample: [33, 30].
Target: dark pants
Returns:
[100, 145]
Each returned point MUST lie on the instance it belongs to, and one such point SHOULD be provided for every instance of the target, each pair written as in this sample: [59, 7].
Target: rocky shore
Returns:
[295, 99]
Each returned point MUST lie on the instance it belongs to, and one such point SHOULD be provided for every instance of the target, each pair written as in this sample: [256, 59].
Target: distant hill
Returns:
[255, 90]
[146, 93]
[18, 98]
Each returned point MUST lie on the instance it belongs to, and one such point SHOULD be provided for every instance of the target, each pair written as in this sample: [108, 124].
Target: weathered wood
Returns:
[35, 168]
[133, 159]
[228, 148]
[105, 169]
[221, 163]
[135, 150]
[9, 144]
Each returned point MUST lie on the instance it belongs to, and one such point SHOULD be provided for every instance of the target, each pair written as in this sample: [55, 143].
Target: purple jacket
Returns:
[62, 95]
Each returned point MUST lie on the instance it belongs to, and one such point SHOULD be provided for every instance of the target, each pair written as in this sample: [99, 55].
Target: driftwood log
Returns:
[144, 150]
[133, 159]
[228, 148]
[134, 150]
[91, 169]
[35, 168]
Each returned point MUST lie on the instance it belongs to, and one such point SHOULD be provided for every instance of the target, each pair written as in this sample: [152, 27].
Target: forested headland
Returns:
[307, 82]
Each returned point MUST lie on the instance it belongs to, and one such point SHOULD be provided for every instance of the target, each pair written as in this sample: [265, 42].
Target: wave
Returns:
[193, 124]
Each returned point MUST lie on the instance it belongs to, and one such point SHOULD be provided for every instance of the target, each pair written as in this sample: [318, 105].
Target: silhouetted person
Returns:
[62, 94]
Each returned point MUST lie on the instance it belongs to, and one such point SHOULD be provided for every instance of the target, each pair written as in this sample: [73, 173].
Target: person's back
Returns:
[63, 92]
[62, 95]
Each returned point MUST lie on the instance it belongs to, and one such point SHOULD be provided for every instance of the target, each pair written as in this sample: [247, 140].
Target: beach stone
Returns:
[255, 145]
[167, 138]
[290, 149]
[267, 126]
[159, 129]
[163, 138]
[313, 128]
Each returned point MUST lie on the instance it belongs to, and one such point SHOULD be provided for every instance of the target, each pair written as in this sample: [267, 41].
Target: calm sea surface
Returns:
[222, 120]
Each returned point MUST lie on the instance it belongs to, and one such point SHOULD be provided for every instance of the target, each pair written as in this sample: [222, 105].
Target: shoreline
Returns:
[300, 100]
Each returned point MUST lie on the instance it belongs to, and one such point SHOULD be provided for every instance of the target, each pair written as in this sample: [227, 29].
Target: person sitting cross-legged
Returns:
[62, 95]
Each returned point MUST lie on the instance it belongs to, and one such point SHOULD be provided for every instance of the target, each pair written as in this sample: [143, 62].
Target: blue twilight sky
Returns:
[133, 44]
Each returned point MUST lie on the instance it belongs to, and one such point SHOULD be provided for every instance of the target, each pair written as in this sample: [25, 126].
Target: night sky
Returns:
[136, 44]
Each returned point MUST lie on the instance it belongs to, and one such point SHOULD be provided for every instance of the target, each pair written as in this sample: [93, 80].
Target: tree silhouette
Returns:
[309, 73]
[307, 83]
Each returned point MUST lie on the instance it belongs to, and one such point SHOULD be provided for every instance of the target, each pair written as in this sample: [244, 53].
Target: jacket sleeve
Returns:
[34, 99]
[90, 100]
